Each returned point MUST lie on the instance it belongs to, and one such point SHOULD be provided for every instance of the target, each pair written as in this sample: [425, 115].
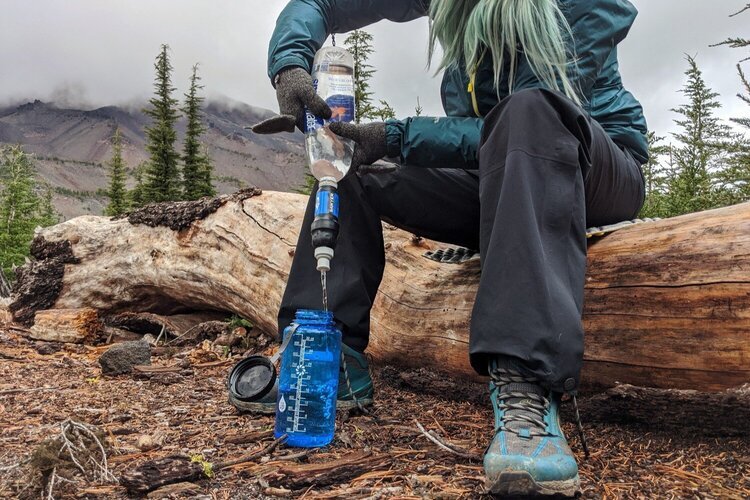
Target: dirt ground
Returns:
[678, 448]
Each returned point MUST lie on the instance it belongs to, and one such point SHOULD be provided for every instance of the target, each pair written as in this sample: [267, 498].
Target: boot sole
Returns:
[520, 483]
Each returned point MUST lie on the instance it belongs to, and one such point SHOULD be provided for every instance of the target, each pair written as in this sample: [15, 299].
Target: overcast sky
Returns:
[95, 52]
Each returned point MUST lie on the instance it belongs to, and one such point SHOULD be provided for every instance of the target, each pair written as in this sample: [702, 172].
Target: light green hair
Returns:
[467, 29]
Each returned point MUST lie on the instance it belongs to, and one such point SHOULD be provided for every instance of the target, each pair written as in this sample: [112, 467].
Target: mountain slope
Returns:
[71, 147]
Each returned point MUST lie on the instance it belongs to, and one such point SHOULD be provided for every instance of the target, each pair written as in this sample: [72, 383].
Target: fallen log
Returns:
[667, 302]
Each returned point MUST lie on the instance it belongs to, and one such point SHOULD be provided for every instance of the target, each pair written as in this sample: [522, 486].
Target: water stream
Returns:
[324, 286]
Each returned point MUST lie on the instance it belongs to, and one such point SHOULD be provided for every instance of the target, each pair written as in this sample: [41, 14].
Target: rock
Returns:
[120, 358]
[47, 348]
[148, 443]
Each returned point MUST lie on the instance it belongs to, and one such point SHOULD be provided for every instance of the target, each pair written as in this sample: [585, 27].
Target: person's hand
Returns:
[370, 138]
[294, 91]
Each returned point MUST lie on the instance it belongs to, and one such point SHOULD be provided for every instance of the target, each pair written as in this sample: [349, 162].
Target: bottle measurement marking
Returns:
[299, 416]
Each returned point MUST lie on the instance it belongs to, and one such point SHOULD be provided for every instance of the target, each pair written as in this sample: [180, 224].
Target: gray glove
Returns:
[370, 138]
[294, 91]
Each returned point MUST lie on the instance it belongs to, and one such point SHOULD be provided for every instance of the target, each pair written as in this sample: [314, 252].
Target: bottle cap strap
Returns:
[285, 344]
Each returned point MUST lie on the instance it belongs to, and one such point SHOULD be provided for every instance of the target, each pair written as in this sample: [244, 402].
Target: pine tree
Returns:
[359, 43]
[655, 175]
[48, 215]
[136, 198]
[418, 109]
[116, 192]
[197, 168]
[736, 178]
[738, 42]
[162, 180]
[205, 175]
[703, 141]
[19, 207]
[384, 112]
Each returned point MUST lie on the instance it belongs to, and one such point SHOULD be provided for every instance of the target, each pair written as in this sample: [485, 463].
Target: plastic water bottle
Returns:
[309, 379]
[328, 155]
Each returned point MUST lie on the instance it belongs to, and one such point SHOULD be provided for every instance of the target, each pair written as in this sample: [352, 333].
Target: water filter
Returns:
[329, 156]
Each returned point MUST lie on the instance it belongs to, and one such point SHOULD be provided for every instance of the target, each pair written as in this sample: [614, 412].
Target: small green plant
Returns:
[237, 321]
[208, 467]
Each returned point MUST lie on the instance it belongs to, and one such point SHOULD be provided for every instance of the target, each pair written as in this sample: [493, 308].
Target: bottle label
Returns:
[338, 91]
[282, 405]
[327, 202]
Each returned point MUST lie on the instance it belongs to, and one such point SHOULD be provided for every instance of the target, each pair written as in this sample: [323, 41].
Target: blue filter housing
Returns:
[309, 379]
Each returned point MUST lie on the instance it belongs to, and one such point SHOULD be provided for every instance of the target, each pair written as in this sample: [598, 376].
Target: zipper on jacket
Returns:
[473, 85]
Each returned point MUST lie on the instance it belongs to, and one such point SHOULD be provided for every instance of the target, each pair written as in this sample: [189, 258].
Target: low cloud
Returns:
[91, 53]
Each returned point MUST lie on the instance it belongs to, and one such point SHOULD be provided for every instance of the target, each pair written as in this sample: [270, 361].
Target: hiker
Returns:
[541, 140]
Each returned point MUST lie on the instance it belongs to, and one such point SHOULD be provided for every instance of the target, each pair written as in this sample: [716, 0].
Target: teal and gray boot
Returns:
[355, 387]
[529, 454]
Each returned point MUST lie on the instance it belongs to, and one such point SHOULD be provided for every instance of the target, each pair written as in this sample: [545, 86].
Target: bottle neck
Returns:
[313, 317]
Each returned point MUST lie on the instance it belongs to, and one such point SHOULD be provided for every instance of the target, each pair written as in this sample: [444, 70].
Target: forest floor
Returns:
[184, 412]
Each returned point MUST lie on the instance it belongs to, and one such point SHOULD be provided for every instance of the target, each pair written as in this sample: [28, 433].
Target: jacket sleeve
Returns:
[451, 142]
[304, 25]
[598, 27]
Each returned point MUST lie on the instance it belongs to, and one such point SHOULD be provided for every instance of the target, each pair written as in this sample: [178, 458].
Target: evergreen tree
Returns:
[136, 199]
[418, 109]
[359, 43]
[205, 176]
[19, 207]
[384, 112]
[162, 180]
[48, 215]
[737, 176]
[738, 42]
[655, 175]
[703, 139]
[197, 169]
[116, 192]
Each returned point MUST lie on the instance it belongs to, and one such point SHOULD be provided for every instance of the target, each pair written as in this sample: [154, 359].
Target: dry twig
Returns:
[450, 448]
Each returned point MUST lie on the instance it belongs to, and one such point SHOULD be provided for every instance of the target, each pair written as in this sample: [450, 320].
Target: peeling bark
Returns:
[38, 285]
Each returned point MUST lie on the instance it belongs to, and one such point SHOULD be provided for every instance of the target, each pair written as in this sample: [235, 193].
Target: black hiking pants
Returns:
[546, 172]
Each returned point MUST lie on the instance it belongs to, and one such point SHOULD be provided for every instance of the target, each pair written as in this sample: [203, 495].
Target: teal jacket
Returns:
[453, 141]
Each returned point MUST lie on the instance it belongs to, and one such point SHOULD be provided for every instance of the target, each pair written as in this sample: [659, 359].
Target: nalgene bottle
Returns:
[309, 379]
[328, 155]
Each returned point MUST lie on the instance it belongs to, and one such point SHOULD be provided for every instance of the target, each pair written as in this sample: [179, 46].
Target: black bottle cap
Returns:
[252, 378]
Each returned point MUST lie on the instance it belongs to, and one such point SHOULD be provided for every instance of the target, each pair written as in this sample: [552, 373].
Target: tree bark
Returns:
[67, 325]
[667, 302]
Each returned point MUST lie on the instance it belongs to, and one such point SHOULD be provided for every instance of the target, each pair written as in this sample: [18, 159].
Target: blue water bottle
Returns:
[309, 380]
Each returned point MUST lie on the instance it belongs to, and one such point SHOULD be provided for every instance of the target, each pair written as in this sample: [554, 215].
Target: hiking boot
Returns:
[359, 378]
[529, 454]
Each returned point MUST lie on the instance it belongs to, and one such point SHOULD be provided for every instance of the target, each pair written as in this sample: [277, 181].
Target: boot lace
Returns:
[519, 406]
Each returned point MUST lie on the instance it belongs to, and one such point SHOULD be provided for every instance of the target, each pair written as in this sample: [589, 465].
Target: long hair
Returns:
[537, 29]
